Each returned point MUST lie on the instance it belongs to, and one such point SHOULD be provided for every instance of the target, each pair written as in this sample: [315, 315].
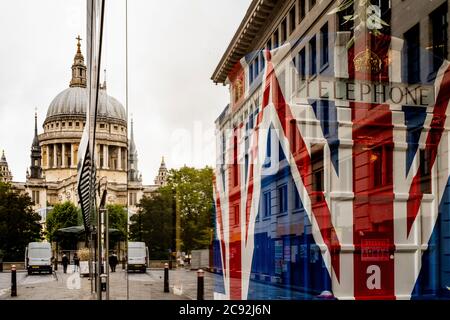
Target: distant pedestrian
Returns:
[65, 262]
[76, 262]
[113, 261]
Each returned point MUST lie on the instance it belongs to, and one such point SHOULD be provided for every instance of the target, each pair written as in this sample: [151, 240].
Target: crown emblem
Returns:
[367, 61]
[239, 90]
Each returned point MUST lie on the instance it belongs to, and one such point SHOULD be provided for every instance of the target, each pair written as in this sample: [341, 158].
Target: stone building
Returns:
[5, 173]
[161, 178]
[52, 175]
[333, 163]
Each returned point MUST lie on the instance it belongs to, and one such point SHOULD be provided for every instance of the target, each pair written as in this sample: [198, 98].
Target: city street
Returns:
[148, 286]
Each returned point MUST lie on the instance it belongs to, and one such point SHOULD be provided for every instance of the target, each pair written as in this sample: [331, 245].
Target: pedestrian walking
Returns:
[76, 262]
[113, 261]
[65, 262]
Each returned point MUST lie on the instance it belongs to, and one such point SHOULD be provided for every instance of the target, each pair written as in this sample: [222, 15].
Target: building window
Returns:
[425, 171]
[269, 45]
[302, 64]
[345, 23]
[267, 204]
[381, 162]
[276, 39]
[262, 61]
[293, 136]
[312, 57]
[133, 198]
[70, 124]
[236, 215]
[302, 9]
[77, 124]
[439, 29]
[283, 199]
[35, 197]
[63, 124]
[292, 19]
[116, 127]
[296, 197]
[283, 31]
[324, 51]
[269, 145]
[250, 73]
[256, 68]
[57, 124]
[317, 167]
[102, 125]
[377, 165]
[412, 54]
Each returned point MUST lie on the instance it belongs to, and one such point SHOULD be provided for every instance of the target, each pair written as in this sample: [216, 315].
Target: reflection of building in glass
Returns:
[52, 175]
[332, 165]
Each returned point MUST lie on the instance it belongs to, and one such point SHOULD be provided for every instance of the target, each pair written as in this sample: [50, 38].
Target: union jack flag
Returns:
[368, 215]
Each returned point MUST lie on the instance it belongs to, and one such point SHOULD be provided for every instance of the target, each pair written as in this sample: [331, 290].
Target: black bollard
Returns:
[200, 284]
[166, 277]
[13, 281]
[56, 264]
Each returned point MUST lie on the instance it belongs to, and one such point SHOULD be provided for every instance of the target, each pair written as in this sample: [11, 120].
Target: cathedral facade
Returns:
[52, 175]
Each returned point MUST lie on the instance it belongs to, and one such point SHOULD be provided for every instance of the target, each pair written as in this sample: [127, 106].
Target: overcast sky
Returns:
[174, 47]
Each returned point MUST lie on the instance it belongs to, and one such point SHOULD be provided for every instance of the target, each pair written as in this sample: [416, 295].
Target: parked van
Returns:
[38, 257]
[137, 257]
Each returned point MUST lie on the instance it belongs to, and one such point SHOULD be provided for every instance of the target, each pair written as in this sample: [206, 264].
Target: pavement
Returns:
[70, 286]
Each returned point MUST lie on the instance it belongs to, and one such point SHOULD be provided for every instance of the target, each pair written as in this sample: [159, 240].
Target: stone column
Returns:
[72, 158]
[105, 157]
[48, 156]
[55, 156]
[97, 153]
[119, 158]
[75, 154]
[63, 155]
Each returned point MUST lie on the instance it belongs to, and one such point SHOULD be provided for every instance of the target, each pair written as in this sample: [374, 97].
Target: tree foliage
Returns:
[194, 197]
[117, 217]
[186, 205]
[153, 224]
[63, 215]
[19, 224]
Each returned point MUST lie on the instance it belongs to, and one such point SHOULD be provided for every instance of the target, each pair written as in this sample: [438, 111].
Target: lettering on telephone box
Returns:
[375, 250]
[374, 280]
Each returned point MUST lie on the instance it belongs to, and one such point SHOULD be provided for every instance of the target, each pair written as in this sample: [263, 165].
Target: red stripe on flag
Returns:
[433, 138]
[234, 222]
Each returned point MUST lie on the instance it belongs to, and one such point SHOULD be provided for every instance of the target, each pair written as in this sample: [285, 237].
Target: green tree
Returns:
[153, 224]
[19, 224]
[117, 217]
[63, 215]
[192, 189]
[185, 204]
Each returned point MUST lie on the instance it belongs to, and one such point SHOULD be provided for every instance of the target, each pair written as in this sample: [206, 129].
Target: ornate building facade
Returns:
[5, 173]
[52, 176]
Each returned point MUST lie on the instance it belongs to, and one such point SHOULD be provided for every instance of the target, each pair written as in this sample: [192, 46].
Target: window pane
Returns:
[312, 57]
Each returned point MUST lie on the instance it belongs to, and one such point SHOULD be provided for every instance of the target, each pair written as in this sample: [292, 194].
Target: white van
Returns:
[38, 257]
[137, 256]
